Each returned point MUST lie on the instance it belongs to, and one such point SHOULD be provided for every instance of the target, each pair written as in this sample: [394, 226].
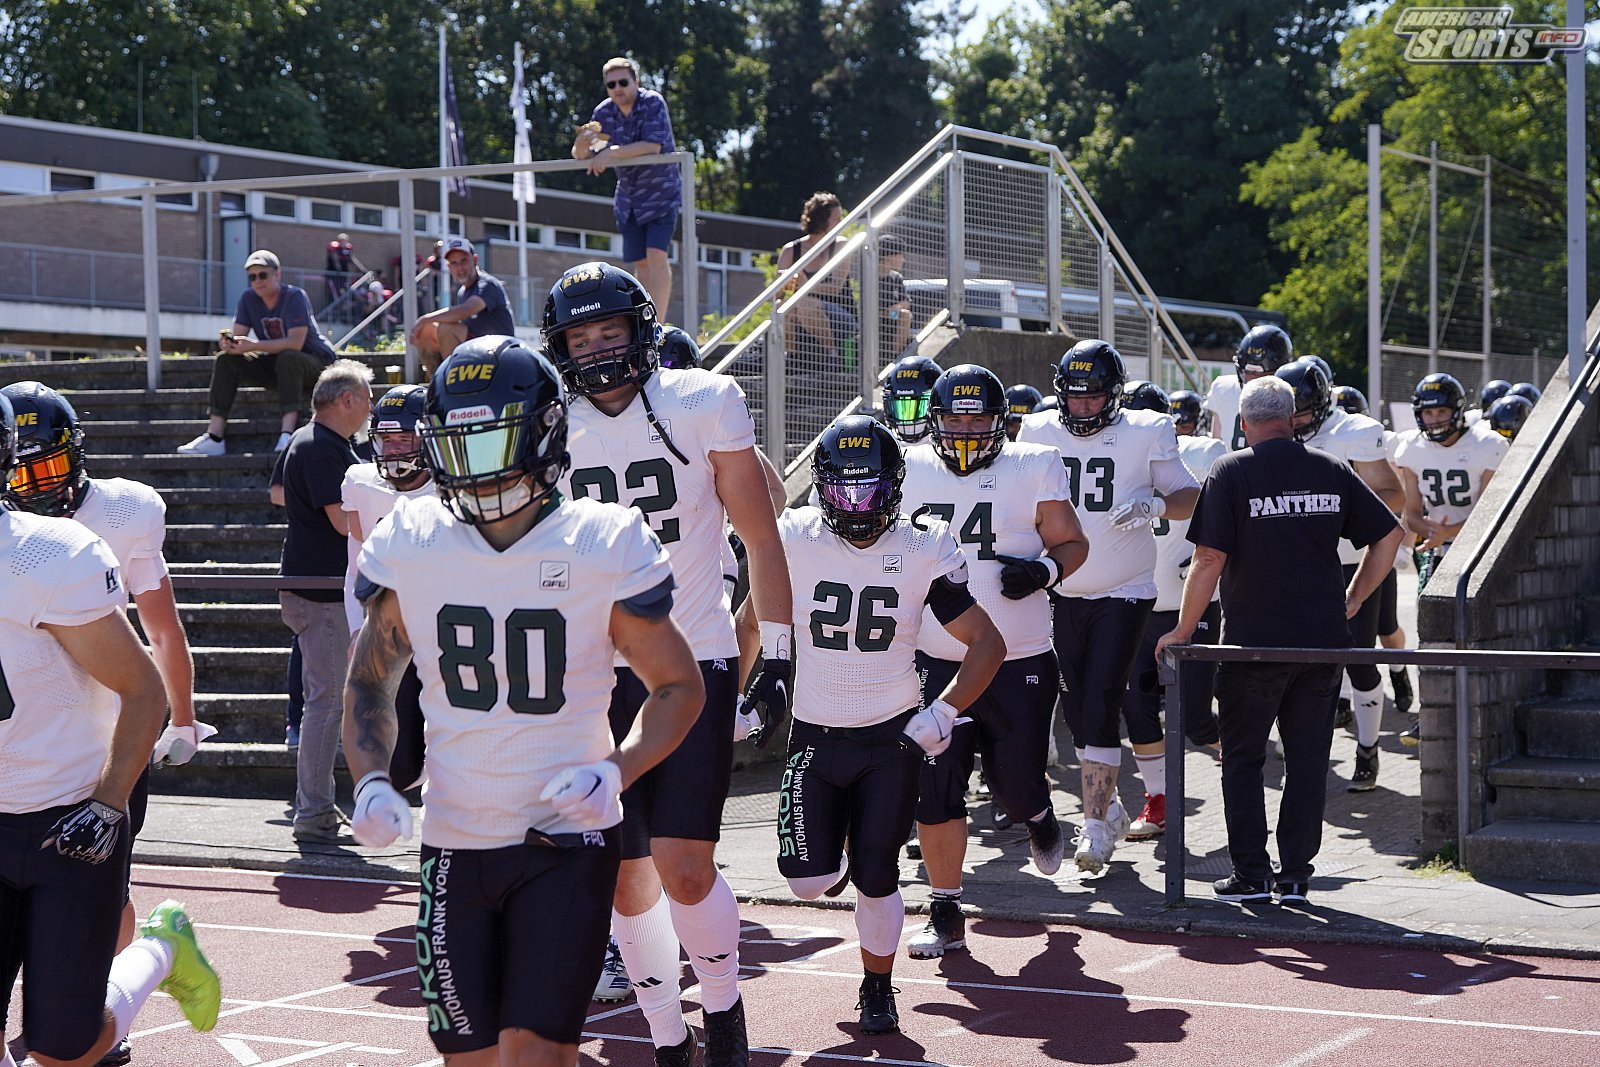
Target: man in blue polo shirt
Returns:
[478, 308]
[630, 122]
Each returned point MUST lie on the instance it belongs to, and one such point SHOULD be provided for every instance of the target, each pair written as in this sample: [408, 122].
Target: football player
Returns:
[1350, 399]
[51, 478]
[1527, 390]
[1020, 400]
[81, 707]
[906, 387]
[1358, 440]
[678, 350]
[1491, 392]
[511, 600]
[1008, 506]
[1507, 415]
[1124, 473]
[678, 446]
[869, 579]
[1262, 351]
[1141, 707]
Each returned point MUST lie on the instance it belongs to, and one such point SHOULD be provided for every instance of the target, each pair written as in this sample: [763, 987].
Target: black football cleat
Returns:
[727, 1043]
[878, 1013]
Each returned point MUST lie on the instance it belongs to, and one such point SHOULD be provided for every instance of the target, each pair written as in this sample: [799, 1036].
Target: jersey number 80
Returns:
[467, 646]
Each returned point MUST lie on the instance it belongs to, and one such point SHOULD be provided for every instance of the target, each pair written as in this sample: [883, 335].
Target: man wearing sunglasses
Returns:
[287, 353]
[633, 121]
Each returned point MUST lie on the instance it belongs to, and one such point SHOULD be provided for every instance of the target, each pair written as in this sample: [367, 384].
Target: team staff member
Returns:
[864, 572]
[478, 307]
[1009, 506]
[1262, 351]
[1277, 509]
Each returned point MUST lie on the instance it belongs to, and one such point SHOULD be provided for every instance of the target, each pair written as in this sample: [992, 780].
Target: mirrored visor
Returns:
[912, 408]
[857, 497]
[480, 449]
[43, 472]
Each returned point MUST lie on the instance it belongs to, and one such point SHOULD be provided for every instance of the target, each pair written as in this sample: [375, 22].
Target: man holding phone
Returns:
[287, 353]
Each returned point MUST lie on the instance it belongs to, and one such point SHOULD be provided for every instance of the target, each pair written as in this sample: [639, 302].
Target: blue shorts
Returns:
[638, 236]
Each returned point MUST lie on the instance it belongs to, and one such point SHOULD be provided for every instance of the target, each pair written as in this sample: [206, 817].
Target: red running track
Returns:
[320, 971]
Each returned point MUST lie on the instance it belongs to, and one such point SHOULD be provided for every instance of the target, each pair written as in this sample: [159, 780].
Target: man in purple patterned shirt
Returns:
[633, 121]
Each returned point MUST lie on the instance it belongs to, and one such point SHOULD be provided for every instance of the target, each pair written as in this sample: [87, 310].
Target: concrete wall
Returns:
[1525, 594]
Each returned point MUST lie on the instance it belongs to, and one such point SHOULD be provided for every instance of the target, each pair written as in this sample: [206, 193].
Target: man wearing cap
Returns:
[286, 352]
[478, 308]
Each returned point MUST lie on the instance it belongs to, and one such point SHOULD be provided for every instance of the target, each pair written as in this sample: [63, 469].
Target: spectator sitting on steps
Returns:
[288, 352]
[478, 308]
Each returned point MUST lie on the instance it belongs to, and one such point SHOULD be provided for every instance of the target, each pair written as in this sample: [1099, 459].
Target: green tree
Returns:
[791, 155]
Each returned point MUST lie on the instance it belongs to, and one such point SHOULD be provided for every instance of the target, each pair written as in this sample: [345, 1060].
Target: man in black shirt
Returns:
[313, 472]
[478, 308]
[1268, 524]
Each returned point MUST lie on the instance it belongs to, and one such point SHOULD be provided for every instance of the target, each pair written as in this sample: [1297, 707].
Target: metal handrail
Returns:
[339, 346]
[254, 581]
[1180, 656]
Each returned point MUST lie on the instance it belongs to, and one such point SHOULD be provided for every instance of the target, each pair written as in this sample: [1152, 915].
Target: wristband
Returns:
[1056, 573]
[776, 641]
[1158, 507]
[369, 776]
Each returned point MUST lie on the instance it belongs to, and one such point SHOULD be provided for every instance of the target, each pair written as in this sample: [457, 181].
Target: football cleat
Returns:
[946, 929]
[191, 982]
[1403, 693]
[117, 1055]
[876, 1004]
[727, 1043]
[1045, 843]
[613, 985]
[1365, 776]
[685, 1053]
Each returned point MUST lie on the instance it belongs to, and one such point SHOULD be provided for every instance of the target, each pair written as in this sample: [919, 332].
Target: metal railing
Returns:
[259, 582]
[405, 179]
[1183, 657]
[988, 240]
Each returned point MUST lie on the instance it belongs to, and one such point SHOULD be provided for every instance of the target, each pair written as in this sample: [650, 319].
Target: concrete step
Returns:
[256, 718]
[262, 769]
[248, 504]
[231, 625]
[135, 402]
[211, 542]
[242, 470]
[1568, 729]
[1547, 850]
[155, 436]
[193, 372]
[241, 670]
[1535, 787]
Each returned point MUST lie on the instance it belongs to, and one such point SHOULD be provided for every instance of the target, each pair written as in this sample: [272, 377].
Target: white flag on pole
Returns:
[522, 187]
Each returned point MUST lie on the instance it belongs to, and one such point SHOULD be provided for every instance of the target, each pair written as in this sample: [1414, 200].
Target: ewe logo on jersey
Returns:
[554, 574]
[1295, 504]
[891, 564]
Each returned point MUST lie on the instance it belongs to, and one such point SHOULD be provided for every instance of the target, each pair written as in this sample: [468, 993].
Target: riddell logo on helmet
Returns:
[587, 307]
[481, 413]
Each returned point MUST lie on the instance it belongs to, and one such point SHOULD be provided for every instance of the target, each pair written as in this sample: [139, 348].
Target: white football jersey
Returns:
[366, 494]
[623, 459]
[1173, 550]
[131, 517]
[992, 512]
[857, 613]
[1222, 400]
[1450, 478]
[55, 720]
[514, 652]
[1136, 454]
[1354, 439]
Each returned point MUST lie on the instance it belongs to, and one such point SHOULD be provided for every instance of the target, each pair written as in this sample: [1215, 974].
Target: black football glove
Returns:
[766, 702]
[88, 832]
[1021, 578]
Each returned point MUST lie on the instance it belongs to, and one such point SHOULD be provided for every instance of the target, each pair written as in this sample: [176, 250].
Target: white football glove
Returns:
[1140, 511]
[178, 744]
[930, 728]
[381, 814]
[586, 795]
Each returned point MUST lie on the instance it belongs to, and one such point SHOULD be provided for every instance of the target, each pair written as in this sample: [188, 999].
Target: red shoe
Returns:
[1152, 821]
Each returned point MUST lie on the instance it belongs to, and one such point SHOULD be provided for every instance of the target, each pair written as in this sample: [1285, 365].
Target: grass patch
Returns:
[1445, 863]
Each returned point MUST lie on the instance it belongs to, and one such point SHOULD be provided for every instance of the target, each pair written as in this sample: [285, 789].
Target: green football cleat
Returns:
[192, 982]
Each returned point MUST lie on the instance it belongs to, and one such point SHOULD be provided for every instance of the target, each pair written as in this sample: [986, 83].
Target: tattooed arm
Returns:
[381, 654]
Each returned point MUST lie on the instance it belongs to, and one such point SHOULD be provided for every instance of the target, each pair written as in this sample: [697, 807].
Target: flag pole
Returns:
[522, 203]
[444, 145]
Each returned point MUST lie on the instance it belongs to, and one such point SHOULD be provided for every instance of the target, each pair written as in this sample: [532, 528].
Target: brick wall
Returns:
[1525, 594]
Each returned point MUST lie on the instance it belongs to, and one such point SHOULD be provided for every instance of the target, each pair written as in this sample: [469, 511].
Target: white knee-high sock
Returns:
[1367, 704]
[1153, 769]
[135, 973]
[709, 932]
[650, 950]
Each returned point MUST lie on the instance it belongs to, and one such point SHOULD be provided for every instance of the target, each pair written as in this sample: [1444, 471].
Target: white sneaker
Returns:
[613, 984]
[283, 441]
[1118, 819]
[1095, 846]
[204, 445]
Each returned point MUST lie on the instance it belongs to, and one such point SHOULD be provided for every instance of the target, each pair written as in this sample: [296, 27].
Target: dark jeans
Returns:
[291, 373]
[1301, 699]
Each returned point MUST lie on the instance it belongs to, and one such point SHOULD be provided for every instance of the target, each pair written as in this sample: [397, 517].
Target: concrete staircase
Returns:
[220, 523]
[1544, 802]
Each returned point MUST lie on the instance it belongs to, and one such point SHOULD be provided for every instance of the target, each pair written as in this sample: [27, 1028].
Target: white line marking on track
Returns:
[1342, 1041]
[304, 933]
[778, 1050]
[286, 1000]
[1148, 962]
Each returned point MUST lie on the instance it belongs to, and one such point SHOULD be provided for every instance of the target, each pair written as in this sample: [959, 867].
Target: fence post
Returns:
[1375, 269]
[1488, 288]
[868, 356]
[1433, 257]
[689, 259]
[774, 399]
[955, 277]
[1053, 251]
[152, 292]
[1171, 677]
[408, 273]
[1108, 292]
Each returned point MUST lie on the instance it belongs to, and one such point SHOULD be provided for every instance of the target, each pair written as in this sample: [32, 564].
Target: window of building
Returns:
[569, 239]
[419, 222]
[278, 206]
[735, 258]
[327, 211]
[458, 225]
[497, 231]
[711, 255]
[597, 242]
[63, 181]
[233, 203]
[176, 199]
[362, 215]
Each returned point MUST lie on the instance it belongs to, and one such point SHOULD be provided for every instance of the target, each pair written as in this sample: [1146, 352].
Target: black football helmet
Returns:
[1090, 368]
[8, 442]
[1146, 396]
[1326, 367]
[1349, 399]
[396, 448]
[1440, 390]
[1022, 400]
[1313, 396]
[968, 390]
[495, 429]
[1527, 390]
[858, 471]
[1049, 403]
[905, 396]
[593, 292]
[1492, 392]
[49, 477]
[1186, 406]
[1263, 350]
[1507, 415]
[678, 350]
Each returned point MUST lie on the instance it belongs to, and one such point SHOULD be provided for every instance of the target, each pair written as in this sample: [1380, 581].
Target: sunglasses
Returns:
[258, 275]
[619, 83]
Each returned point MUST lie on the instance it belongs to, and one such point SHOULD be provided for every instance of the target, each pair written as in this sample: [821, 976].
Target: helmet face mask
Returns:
[906, 393]
[968, 411]
[600, 329]
[858, 471]
[46, 473]
[1439, 392]
[1090, 369]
